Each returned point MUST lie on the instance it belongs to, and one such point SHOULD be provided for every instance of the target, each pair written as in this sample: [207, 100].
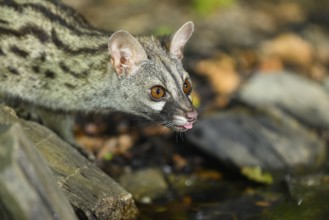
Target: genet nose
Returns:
[192, 115]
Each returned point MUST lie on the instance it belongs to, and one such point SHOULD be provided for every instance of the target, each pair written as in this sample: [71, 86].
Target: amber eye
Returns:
[158, 92]
[187, 87]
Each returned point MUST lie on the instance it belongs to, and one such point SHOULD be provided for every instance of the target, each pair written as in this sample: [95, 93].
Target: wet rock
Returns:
[307, 198]
[302, 98]
[145, 185]
[302, 189]
[273, 141]
[242, 208]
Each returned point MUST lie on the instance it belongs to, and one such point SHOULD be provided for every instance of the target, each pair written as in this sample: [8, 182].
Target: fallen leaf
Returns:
[263, 204]
[209, 175]
[179, 161]
[270, 64]
[290, 48]
[221, 72]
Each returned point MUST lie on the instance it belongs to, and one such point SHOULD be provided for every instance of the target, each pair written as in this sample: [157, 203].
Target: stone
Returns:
[145, 185]
[28, 189]
[91, 192]
[298, 96]
[270, 140]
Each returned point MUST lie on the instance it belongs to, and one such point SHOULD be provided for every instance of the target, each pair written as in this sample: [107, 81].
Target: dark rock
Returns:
[272, 141]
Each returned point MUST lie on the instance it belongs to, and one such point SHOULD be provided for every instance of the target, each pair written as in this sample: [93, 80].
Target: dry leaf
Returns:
[221, 73]
[291, 49]
[270, 64]
[179, 161]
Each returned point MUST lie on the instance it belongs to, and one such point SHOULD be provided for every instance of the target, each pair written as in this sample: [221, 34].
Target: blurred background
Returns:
[259, 149]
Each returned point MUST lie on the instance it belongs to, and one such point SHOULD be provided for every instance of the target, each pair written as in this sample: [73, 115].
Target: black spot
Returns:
[70, 86]
[19, 52]
[85, 73]
[13, 70]
[35, 31]
[2, 53]
[36, 69]
[43, 57]
[66, 69]
[50, 74]
[3, 21]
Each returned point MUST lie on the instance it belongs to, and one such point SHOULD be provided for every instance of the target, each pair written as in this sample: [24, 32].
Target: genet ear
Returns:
[180, 38]
[126, 52]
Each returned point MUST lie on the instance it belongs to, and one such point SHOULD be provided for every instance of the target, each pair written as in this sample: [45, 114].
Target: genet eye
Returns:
[187, 87]
[158, 92]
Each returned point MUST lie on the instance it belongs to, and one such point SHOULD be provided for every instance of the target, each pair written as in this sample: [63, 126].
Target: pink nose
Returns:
[192, 116]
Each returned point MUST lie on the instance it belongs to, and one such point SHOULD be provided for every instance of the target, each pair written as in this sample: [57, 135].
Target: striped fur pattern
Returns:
[46, 55]
[51, 58]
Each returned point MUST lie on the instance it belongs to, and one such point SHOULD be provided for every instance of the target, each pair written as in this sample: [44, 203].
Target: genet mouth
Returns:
[184, 127]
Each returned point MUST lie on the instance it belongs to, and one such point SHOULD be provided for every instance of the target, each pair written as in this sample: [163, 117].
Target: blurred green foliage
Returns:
[204, 7]
[107, 157]
[163, 30]
[257, 174]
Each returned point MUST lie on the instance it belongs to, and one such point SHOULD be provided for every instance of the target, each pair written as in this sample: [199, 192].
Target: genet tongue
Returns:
[188, 125]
